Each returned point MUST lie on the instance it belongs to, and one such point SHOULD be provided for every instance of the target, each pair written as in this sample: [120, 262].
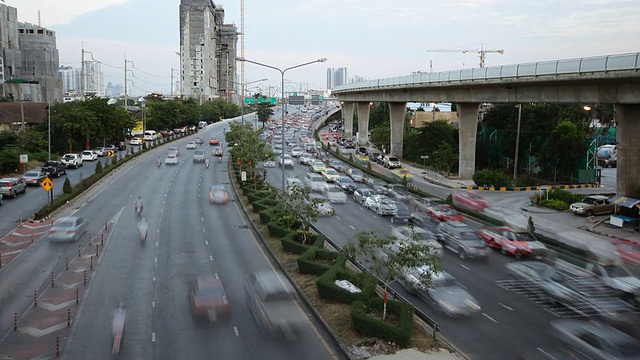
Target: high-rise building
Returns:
[207, 50]
[70, 78]
[336, 77]
[329, 78]
[114, 90]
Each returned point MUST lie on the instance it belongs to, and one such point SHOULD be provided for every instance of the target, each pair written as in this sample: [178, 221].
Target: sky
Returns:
[371, 38]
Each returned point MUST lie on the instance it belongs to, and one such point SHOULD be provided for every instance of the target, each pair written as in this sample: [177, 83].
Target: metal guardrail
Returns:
[590, 65]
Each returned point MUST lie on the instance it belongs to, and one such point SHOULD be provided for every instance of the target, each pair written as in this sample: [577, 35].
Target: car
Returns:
[192, 145]
[345, 183]
[317, 166]
[593, 205]
[136, 141]
[67, 229]
[269, 164]
[100, 151]
[54, 168]
[174, 150]
[89, 155]
[360, 195]
[199, 141]
[214, 141]
[414, 233]
[315, 182]
[355, 174]
[198, 156]
[33, 177]
[209, 299]
[402, 175]
[506, 240]
[373, 199]
[218, 194]
[421, 219]
[470, 200]
[444, 213]
[384, 206]
[391, 162]
[442, 291]
[596, 340]
[425, 204]
[629, 252]
[321, 204]
[171, 159]
[305, 159]
[12, 187]
[337, 164]
[402, 213]
[110, 147]
[291, 183]
[286, 161]
[72, 160]
[296, 151]
[271, 299]
[329, 174]
[334, 194]
[463, 240]
[376, 185]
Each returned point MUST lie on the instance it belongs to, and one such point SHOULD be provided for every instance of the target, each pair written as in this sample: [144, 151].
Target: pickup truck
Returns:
[55, 168]
[72, 160]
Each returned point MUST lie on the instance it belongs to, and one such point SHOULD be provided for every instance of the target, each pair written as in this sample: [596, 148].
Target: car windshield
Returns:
[31, 174]
[213, 292]
[401, 206]
[468, 236]
[510, 235]
[171, 156]
[65, 224]
[344, 179]
[317, 178]
[198, 152]
[616, 271]
[334, 190]
[356, 172]
[69, 156]
[331, 172]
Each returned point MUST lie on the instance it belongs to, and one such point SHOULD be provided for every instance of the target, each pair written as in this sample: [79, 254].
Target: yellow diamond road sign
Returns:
[110, 153]
[47, 184]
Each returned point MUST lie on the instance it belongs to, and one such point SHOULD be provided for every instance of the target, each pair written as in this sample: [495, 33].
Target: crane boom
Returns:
[482, 52]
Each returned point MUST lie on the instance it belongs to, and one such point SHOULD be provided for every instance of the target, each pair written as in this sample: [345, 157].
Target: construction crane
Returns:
[482, 52]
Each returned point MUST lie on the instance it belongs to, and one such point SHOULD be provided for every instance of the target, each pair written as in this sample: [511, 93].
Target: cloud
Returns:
[57, 12]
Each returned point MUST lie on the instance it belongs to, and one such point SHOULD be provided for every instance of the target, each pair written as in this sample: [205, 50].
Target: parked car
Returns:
[89, 155]
[463, 240]
[593, 205]
[470, 200]
[67, 229]
[11, 187]
[209, 299]
[72, 160]
[54, 168]
[34, 177]
[443, 291]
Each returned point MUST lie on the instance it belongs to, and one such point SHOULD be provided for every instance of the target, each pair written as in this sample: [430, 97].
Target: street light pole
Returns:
[515, 160]
[49, 127]
[282, 72]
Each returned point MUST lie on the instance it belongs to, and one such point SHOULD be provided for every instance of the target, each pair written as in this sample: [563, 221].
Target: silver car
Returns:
[67, 229]
[34, 177]
[360, 195]
[335, 194]
[413, 233]
[596, 340]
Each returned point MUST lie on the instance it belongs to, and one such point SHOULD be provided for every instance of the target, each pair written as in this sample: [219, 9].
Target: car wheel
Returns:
[589, 213]
[14, 195]
[461, 254]
[503, 251]
[1, 202]
[393, 219]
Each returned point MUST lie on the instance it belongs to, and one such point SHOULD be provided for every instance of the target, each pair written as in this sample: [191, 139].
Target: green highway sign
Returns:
[269, 100]
[252, 101]
[249, 101]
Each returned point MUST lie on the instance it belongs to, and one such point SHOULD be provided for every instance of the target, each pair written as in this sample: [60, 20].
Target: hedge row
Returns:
[328, 290]
[369, 325]
[293, 242]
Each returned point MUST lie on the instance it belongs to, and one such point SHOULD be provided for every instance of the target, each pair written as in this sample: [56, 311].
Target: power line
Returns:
[146, 73]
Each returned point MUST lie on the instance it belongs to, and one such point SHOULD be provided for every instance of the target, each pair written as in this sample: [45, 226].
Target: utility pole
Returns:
[82, 73]
[515, 160]
[171, 81]
[125, 80]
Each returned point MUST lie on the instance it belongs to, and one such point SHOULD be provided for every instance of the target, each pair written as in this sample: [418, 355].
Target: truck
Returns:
[55, 168]
[607, 156]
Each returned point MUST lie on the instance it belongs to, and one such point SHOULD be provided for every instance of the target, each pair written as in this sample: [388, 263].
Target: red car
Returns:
[209, 299]
[444, 213]
[471, 201]
[506, 240]
[629, 252]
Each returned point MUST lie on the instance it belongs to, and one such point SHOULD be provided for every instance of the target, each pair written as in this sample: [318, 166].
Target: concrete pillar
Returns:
[628, 136]
[363, 123]
[468, 129]
[347, 115]
[396, 112]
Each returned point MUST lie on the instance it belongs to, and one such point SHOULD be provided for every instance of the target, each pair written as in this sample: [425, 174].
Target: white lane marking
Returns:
[203, 230]
[156, 243]
[490, 318]
[201, 219]
[216, 276]
[505, 306]
[153, 304]
[235, 330]
[465, 267]
[155, 260]
[154, 279]
[206, 242]
[338, 217]
[210, 258]
[161, 210]
[153, 336]
[158, 231]
[352, 228]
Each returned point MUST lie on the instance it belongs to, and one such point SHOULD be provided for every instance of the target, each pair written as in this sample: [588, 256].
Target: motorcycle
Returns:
[206, 163]
[159, 163]
[138, 209]
[117, 328]
[142, 227]
[220, 158]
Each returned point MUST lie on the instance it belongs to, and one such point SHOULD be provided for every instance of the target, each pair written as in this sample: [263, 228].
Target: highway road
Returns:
[188, 237]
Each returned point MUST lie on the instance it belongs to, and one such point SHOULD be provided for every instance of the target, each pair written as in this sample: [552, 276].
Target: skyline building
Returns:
[336, 76]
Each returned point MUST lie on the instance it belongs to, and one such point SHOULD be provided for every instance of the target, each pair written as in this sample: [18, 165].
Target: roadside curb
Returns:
[530, 188]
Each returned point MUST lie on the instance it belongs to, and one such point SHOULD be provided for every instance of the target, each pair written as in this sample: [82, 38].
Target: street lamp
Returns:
[282, 110]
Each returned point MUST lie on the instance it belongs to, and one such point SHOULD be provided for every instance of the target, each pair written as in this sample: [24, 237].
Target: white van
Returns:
[202, 125]
[150, 135]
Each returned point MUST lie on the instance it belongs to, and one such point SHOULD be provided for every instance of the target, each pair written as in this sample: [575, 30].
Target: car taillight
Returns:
[70, 232]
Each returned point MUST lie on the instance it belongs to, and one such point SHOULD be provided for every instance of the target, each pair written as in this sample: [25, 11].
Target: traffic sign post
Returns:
[47, 184]
[110, 153]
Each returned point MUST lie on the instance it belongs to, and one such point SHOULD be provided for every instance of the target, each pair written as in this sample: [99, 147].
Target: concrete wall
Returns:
[421, 117]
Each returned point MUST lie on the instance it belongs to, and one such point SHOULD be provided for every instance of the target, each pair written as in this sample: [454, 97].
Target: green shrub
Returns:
[266, 216]
[9, 161]
[99, 167]
[255, 195]
[565, 196]
[493, 178]
[316, 261]
[374, 326]
[328, 290]
[292, 242]
[554, 204]
[527, 181]
[66, 188]
[276, 230]
[41, 156]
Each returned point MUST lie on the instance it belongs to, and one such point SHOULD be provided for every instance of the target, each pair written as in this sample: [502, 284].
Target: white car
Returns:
[174, 150]
[315, 182]
[296, 151]
[136, 141]
[269, 164]
[285, 160]
[373, 200]
[292, 183]
[171, 159]
[191, 145]
[89, 155]
[335, 194]
[324, 207]
[72, 160]
[414, 233]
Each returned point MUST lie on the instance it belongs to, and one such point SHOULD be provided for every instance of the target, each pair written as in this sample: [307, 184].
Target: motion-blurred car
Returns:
[334, 194]
[174, 150]
[414, 233]
[425, 204]
[442, 291]
[345, 183]
[192, 145]
[329, 174]
[33, 177]
[463, 240]
[315, 182]
[292, 183]
[360, 195]
[444, 213]
[218, 194]
[323, 207]
[384, 207]
[209, 299]
[171, 159]
[402, 213]
[355, 174]
[67, 229]
[629, 252]
[421, 219]
[317, 166]
[376, 185]
[402, 174]
[271, 299]
[89, 155]
[269, 164]
[506, 240]
[596, 340]
[470, 200]
[373, 199]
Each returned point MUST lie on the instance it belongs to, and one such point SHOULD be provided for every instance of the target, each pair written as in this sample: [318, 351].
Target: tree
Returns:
[445, 157]
[264, 111]
[297, 208]
[387, 264]
[563, 149]
[99, 167]
[66, 187]
[248, 148]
